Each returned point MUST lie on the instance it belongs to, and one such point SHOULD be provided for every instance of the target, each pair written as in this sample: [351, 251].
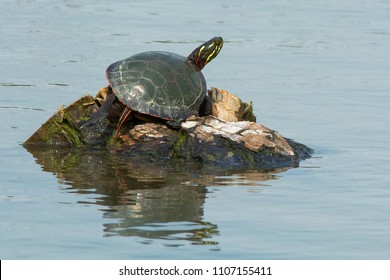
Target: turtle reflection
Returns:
[149, 200]
[173, 213]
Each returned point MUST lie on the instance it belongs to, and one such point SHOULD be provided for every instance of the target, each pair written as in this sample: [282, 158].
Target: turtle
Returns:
[161, 85]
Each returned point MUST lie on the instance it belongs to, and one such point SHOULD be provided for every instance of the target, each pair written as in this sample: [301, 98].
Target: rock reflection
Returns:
[149, 200]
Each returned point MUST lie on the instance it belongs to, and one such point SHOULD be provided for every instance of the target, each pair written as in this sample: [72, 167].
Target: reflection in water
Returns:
[150, 200]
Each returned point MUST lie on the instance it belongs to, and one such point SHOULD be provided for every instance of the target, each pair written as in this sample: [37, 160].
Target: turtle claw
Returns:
[174, 124]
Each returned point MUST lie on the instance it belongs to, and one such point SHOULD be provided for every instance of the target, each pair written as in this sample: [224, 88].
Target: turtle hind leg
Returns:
[101, 114]
[124, 117]
[97, 129]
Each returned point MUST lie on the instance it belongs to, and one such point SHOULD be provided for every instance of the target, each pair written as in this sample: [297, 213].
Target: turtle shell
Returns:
[161, 84]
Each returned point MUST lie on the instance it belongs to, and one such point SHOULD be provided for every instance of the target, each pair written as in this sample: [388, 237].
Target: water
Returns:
[317, 71]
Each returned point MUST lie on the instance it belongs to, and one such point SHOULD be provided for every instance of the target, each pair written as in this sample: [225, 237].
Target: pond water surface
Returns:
[316, 71]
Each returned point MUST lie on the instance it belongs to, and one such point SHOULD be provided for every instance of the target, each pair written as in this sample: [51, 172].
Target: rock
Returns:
[228, 137]
[230, 108]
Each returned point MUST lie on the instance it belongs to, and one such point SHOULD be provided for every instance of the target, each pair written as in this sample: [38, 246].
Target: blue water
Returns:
[317, 71]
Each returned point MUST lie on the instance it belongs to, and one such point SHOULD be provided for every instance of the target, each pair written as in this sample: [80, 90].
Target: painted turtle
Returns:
[165, 85]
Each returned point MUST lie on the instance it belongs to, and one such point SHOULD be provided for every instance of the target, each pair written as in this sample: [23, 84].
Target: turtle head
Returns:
[206, 52]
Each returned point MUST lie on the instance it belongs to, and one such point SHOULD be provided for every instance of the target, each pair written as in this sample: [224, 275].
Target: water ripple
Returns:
[15, 85]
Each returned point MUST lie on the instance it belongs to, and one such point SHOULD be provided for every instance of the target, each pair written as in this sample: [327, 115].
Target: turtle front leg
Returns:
[206, 107]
